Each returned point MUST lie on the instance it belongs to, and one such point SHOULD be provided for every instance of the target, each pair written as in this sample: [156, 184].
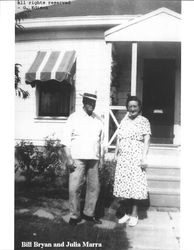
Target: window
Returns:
[54, 98]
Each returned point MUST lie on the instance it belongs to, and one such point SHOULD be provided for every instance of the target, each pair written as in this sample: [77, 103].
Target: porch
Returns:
[147, 64]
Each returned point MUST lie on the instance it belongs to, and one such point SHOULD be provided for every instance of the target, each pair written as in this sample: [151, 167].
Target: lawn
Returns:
[41, 222]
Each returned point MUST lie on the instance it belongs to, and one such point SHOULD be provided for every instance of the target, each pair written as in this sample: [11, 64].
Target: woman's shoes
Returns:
[133, 221]
[124, 219]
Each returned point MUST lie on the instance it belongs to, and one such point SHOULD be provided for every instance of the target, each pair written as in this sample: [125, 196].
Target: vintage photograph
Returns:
[97, 124]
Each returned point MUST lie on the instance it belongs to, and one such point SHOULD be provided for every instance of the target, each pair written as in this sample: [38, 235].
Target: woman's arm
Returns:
[145, 149]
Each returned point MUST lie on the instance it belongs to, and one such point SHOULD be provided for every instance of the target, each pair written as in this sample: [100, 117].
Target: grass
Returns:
[57, 232]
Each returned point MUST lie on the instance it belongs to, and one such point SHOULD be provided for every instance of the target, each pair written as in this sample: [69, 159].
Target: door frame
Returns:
[163, 129]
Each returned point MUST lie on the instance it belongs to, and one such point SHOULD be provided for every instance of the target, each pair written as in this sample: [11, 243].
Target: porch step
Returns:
[164, 185]
[161, 145]
[164, 157]
[160, 197]
[164, 149]
[153, 170]
[163, 174]
[164, 182]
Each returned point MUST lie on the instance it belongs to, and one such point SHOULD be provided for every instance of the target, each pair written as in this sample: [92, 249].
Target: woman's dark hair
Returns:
[133, 98]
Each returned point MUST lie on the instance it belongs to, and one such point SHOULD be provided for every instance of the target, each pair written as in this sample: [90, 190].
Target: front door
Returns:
[159, 97]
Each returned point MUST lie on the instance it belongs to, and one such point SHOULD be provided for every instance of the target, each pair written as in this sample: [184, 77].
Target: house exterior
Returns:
[112, 55]
[111, 47]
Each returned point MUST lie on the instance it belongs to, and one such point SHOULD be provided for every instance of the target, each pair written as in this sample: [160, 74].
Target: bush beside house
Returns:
[39, 164]
[45, 166]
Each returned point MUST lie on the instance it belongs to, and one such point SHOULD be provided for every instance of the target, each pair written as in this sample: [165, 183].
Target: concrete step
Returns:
[160, 197]
[160, 160]
[166, 182]
[163, 148]
[167, 191]
[170, 171]
[164, 155]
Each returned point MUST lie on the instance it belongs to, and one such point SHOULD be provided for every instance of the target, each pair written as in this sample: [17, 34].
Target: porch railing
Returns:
[116, 122]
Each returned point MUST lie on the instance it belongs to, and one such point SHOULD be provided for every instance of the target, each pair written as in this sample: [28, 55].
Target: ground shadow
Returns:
[31, 228]
[104, 201]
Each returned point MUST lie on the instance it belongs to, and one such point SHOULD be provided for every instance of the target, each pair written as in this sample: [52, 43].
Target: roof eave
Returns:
[74, 22]
[142, 18]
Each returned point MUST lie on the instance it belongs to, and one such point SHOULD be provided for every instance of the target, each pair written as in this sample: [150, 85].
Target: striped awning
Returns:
[54, 65]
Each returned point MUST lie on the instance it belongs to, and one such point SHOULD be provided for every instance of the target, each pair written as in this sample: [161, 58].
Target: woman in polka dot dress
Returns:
[132, 147]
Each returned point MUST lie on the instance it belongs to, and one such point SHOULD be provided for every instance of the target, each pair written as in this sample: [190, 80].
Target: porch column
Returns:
[134, 69]
[107, 100]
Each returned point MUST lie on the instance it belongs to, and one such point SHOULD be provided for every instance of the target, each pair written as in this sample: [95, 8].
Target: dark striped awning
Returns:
[54, 65]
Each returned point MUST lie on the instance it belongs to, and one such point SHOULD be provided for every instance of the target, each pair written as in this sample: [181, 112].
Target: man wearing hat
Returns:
[82, 141]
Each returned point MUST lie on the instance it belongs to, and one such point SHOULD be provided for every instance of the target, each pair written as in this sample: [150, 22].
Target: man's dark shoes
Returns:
[74, 222]
[91, 219]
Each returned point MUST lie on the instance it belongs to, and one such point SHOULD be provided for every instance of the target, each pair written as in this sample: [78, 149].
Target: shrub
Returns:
[46, 165]
[33, 161]
[107, 173]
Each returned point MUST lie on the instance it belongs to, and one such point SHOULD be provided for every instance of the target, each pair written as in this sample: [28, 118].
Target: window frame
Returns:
[43, 118]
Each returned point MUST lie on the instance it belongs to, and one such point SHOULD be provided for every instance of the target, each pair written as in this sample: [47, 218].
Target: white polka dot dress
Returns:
[130, 179]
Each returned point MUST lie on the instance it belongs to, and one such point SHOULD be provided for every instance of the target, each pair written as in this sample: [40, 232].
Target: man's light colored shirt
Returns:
[83, 135]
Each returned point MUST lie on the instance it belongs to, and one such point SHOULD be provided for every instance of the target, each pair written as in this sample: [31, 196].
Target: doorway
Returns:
[159, 98]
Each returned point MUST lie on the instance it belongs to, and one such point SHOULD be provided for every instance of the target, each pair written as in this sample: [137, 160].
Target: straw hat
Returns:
[91, 96]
